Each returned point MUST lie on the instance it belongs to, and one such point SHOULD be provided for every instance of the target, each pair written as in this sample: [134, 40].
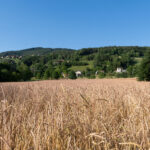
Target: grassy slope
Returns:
[82, 68]
[138, 60]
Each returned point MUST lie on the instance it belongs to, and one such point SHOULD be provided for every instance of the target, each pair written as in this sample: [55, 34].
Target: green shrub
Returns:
[72, 75]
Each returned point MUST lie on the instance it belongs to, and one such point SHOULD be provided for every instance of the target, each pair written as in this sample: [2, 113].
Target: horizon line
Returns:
[74, 48]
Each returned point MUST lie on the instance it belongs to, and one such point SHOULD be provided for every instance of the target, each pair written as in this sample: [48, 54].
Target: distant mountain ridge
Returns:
[40, 51]
[36, 51]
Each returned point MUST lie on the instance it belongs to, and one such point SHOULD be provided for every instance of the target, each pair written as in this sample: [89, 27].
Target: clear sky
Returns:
[73, 23]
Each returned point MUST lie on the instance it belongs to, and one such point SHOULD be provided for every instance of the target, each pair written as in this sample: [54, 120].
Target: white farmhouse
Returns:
[78, 73]
[120, 70]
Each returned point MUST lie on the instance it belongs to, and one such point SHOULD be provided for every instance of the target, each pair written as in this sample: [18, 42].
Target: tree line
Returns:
[58, 64]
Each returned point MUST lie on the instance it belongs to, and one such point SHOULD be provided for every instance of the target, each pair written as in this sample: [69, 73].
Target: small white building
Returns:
[78, 73]
[120, 70]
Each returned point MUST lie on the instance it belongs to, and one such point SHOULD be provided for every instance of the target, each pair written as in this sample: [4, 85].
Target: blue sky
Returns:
[73, 23]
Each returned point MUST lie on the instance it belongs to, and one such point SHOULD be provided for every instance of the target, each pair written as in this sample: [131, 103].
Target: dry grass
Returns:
[108, 114]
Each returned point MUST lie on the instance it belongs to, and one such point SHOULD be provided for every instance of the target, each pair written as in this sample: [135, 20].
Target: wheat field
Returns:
[96, 114]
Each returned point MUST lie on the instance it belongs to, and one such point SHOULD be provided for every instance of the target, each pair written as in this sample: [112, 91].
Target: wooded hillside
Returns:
[48, 63]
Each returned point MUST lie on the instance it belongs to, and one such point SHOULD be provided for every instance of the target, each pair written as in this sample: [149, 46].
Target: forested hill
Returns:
[48, 63]
[37, 51]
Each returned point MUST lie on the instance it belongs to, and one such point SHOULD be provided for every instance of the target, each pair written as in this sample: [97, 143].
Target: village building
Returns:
[78, 73]
[120, 70]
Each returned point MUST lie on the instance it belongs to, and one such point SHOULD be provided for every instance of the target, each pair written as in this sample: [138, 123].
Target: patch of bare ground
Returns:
[107, 114]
